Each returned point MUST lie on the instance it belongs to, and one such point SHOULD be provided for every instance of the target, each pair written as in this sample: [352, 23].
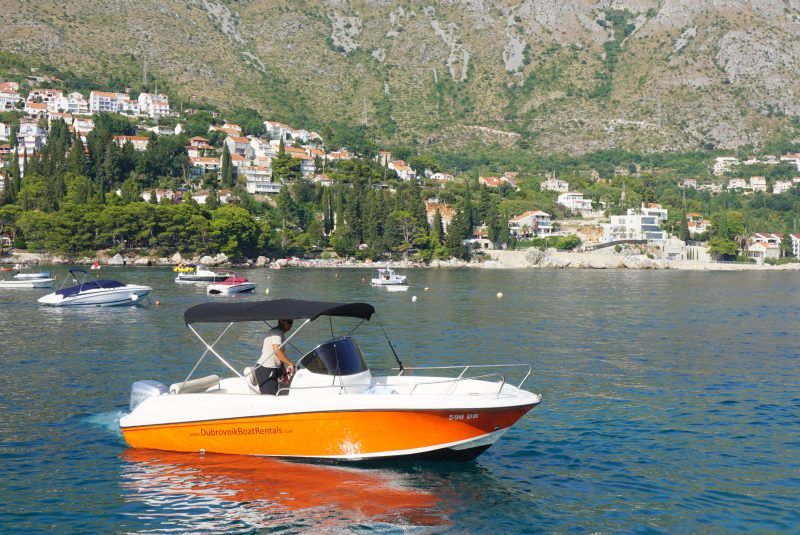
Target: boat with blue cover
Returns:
[98, 292]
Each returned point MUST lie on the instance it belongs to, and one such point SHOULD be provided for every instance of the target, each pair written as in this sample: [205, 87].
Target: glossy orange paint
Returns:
[326, 434]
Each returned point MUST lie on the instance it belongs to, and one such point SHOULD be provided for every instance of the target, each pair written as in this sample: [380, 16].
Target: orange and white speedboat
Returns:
[333, 407]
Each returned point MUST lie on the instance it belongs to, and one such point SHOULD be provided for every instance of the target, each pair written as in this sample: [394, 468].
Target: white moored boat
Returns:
[387, 277]
[99, 292]
[201, 273]
[333, 407]
[27, 283]
[231, 286]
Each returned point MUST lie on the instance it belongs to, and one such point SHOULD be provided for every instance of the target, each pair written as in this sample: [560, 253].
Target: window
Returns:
[340, 356]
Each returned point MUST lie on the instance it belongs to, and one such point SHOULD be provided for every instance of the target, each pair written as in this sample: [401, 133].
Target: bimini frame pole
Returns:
[221, 359]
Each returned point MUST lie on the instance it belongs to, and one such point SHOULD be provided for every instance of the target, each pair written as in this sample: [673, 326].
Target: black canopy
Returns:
[274, 309]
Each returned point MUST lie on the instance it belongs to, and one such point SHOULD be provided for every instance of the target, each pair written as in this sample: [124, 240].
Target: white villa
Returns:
[643, 224]
[531, 223]
[554, 184]
[574, 201]
[724, 164]
[758, 183]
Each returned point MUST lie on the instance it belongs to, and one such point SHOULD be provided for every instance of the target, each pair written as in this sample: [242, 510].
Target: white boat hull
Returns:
[406, 423]
[27, 283]
[130, 294]
[230, 289]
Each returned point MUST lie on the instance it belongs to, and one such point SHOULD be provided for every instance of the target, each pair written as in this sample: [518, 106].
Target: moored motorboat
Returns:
[27, 283]
[200, 273]
[231, 286]
[98, 292]
[333, 407]
[388, 277]
[30, 275]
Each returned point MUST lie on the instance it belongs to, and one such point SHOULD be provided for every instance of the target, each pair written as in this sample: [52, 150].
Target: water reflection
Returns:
[214, 493]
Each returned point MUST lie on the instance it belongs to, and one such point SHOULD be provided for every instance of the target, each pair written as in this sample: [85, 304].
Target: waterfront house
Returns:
[654, 210]
[795, 245]
[634, 225]
[763, 246]
[531, 223]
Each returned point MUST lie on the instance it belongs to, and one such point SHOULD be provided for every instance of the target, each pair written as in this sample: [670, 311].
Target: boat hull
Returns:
[128, 295]
[442, 434]
[227, 289]
[27, 283]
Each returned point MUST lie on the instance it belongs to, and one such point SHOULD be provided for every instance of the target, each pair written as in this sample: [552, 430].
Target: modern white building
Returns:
[574, 201]
[31, 138]
[654, 210]
[634, 226]
[258, 180]
[104, 101]
[795, 245]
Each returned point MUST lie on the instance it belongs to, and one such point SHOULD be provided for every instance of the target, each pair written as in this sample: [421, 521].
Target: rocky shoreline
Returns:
[493, 259]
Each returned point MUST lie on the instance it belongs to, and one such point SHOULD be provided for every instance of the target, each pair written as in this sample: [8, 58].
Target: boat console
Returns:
[337, 364]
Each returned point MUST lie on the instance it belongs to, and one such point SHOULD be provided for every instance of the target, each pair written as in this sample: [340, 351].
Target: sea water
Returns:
[670, 405]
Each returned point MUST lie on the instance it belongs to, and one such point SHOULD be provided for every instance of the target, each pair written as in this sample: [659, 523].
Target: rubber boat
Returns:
[231, 286]
[200, 273]
[387, 277]
[99, 292]
[333, 407]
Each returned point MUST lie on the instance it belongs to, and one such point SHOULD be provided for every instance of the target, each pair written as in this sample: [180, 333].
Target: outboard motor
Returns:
[141, 390]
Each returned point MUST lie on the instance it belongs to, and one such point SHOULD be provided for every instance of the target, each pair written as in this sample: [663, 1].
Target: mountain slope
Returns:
[554, 75]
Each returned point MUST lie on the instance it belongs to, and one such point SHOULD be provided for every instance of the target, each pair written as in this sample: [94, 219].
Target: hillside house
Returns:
[403, 170]
[758, 183]
[696, 224]
[782, 186]
[139, 142]
[238, 145]
[9, 95]
[574, 202]
[531, 223]
[723, 164]
[153, 105]
[554, 184]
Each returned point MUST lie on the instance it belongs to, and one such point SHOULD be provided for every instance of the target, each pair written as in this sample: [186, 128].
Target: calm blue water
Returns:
[671, 405]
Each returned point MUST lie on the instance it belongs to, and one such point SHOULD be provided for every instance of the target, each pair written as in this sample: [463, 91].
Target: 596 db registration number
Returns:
[473, 416]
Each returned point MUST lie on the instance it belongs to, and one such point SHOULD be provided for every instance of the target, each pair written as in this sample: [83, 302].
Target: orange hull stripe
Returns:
[325, 434]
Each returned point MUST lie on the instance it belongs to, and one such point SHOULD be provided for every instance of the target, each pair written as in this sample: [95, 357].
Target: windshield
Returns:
[340, 356]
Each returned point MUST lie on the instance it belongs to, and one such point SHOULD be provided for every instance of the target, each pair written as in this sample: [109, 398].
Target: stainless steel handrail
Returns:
[454, 380]
[468, 366]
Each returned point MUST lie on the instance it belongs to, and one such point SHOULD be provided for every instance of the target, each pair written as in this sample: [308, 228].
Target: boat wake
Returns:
[108, 421]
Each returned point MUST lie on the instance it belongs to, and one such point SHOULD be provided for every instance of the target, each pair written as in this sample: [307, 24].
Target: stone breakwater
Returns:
[496, 259]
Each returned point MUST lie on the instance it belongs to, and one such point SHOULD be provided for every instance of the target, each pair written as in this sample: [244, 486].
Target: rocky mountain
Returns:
[558, 76]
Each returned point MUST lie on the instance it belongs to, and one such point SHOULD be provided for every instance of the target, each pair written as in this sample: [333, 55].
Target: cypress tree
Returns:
[683, 227]
[226, 171]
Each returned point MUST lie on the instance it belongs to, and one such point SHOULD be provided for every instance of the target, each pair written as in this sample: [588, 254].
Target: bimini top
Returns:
[98, 284]
[274, 309]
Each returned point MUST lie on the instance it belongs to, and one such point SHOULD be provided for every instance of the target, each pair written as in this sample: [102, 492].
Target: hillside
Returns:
[546, 75]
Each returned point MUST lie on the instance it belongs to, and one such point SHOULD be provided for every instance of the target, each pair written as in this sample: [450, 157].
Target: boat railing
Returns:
[465, 368]
[453, 380]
